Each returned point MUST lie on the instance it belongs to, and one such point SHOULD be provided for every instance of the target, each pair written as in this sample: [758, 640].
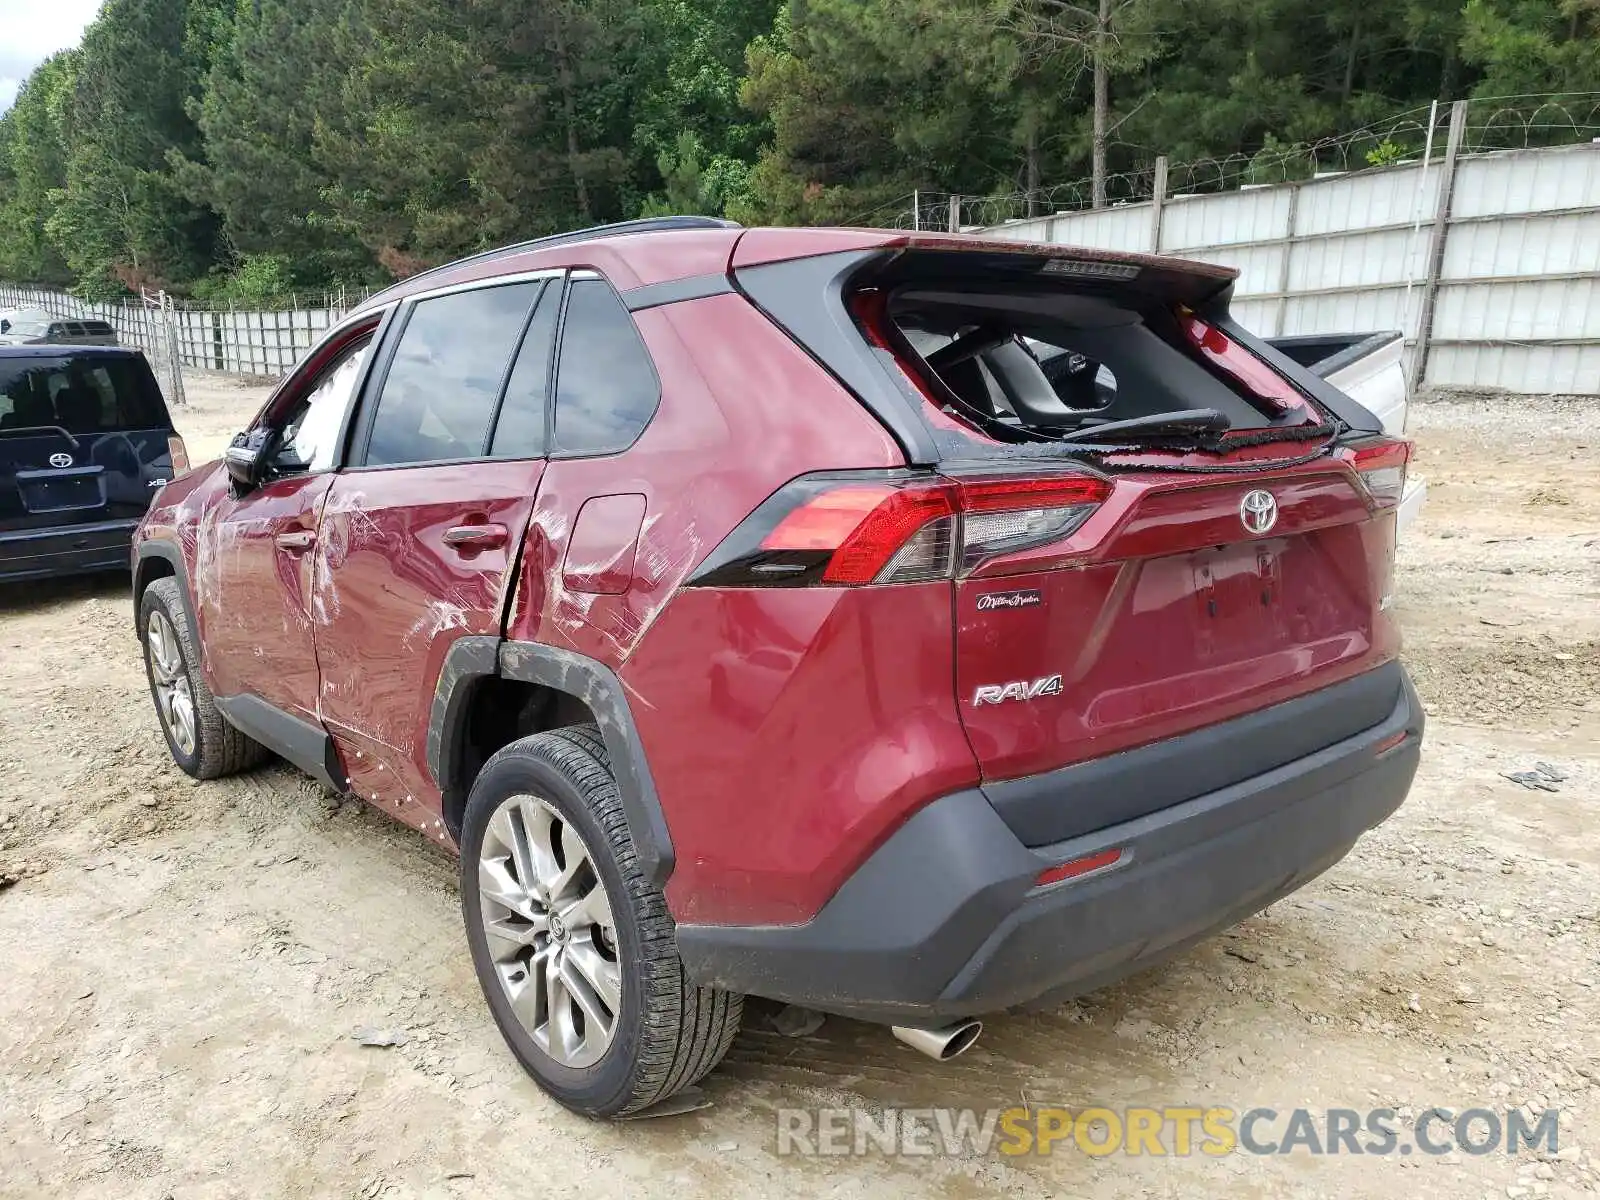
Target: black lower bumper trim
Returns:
[944, 921]
[1064, 803]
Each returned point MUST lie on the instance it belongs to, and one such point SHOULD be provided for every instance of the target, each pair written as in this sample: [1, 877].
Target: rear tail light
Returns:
[1000, 516]
[871, 533]
[1381, 466]
[179, 453]
[851, 529]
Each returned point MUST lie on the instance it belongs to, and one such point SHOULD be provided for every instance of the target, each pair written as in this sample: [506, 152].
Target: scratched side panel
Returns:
[174, 517]
[253, 598]
[743, 410]
[392, 597]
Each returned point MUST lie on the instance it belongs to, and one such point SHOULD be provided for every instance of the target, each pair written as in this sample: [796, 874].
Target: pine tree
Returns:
[121, 219]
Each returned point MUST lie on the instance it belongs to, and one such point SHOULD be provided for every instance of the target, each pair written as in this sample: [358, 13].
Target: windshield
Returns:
[80, 394]
[25, 328]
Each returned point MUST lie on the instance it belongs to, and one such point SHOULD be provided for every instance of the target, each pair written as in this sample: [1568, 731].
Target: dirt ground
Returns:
[184, 966]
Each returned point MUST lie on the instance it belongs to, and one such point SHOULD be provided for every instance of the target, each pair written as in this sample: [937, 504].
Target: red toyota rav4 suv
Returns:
[905, 626]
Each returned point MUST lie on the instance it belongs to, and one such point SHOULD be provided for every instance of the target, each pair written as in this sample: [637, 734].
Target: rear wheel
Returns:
[200, 738]
[573, 947]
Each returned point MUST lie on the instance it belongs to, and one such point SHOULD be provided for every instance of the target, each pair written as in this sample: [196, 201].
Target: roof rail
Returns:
[616, 229]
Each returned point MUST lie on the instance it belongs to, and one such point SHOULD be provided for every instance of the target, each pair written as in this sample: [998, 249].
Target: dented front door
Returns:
[252, 585]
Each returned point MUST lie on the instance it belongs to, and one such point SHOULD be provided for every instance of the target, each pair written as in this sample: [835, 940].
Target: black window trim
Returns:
[371, 388]
[552, 452]
[540, 298]
[371, 324]
[370, 337]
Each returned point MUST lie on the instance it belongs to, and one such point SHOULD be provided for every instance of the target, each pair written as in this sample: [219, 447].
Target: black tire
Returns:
[220, 749]
[669, 1032]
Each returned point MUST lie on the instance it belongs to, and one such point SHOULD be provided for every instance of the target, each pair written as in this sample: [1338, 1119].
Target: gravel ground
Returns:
[185, 965]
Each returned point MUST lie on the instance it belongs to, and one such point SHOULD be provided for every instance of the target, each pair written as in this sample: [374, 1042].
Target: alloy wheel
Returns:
[550, 932]
[173, 696]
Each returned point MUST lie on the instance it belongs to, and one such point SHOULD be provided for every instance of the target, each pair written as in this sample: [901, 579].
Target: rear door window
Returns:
[606, 385]
[519, 432]
[438, 397]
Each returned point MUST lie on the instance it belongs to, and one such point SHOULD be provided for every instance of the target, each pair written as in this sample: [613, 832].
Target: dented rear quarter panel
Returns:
[743, 411]
[790, 731]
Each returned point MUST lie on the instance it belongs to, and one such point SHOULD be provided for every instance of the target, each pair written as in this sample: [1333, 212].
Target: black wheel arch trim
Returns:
[472, 659]
[169, 552]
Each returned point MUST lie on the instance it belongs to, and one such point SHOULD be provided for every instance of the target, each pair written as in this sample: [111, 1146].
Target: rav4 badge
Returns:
[999, 693]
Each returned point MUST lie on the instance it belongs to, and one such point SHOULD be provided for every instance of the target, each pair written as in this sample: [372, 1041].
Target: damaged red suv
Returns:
[905, 626]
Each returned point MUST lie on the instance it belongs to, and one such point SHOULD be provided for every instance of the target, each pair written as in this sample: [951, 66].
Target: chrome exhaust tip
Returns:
[942, 1044]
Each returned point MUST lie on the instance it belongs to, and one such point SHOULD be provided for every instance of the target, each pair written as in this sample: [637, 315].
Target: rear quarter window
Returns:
[606, 386]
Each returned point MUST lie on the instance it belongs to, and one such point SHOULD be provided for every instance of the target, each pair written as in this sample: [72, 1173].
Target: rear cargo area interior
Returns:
[1056, 361]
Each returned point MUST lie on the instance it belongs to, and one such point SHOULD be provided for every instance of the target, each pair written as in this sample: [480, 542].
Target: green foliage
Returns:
[275, 74]
[1385, 153]
[262, 279]
[1531, 46]
[120, 220]
[33, 167]
[1278, 162]
[245, 149]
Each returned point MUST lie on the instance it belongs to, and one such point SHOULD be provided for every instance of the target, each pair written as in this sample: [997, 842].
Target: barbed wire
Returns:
[1493, 123]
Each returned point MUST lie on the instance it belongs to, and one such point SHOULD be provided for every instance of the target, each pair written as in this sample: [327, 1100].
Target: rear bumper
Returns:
[944, 920]
[65, 550]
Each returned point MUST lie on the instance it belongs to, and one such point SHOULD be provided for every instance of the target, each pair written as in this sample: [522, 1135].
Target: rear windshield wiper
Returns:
[21, 429]
[1193, 420]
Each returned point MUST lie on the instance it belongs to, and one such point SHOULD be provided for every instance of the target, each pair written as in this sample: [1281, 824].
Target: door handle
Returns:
[477, 537]
[296, 541]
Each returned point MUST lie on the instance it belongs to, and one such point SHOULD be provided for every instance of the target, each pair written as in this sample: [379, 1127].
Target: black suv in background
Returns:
[32, 327]
[85, 440]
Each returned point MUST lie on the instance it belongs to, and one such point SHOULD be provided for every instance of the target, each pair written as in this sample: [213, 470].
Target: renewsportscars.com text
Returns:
[1174, 1130]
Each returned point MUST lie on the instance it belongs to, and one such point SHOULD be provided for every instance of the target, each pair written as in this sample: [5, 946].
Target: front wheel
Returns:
[200, 738]
[573, 947]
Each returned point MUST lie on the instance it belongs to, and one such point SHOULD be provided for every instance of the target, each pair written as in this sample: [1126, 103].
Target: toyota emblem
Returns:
[1259, 511]
[60, 460]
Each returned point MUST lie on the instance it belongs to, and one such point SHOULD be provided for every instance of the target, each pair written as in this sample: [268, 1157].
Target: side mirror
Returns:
[245, 458]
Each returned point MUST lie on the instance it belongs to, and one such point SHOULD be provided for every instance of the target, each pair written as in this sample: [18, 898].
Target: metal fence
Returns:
[1489, 262]
[217, 339]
